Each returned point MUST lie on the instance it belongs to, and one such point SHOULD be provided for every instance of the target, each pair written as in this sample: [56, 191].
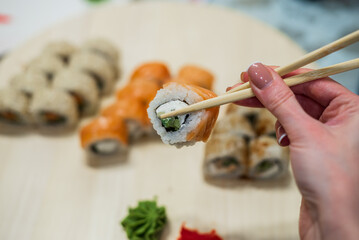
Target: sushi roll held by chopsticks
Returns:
[226, 157]
[104, 136]
[267, 159]
[183, 129]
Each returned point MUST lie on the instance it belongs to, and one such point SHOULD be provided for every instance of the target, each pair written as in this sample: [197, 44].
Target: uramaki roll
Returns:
[49, 65]
[13, 107]
[104, 136]
[29, 81]
[81, 87]
[226, 156]
[61, 49]
[134, 114]
[267, 159]
[152, 71]
[235, 124]
[265, 124]
[192, 74]
[97, 68]
[53, 108]
[141, 89]
[250, 113]
[104, 49]
[183, 129]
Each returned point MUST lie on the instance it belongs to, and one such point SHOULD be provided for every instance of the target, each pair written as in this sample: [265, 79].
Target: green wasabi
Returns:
[145, 222]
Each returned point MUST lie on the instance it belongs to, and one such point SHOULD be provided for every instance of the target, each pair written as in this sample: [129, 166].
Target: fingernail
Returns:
[282, 136]
[243, 76]
[259, 75]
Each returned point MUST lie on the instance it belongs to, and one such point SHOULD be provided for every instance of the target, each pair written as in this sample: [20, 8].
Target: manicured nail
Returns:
[259, 75]
[283, 139]
[244, 76]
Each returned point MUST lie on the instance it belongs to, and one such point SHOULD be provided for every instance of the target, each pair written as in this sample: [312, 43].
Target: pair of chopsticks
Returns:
[244, 91]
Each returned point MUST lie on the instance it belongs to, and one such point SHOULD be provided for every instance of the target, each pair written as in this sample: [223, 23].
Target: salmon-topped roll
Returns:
[184, 129]
[265, 124]
[133, 113]
[153, 71]
[141, 89]
[196, 75]
[104, 136]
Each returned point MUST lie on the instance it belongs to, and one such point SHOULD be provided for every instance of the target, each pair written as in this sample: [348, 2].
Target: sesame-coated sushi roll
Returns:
[265, 124]
[96, 67]
[235, 124]
[250, 113]
[104, 136]
[152, 71]
[81, 87]
[226, 156]
[102, 47]
[49, 65]
[106, 50]
[134, 114]
[53, 108]
[141, 89]
[267, 159]
[29, 81]
[183, 129]
[197, 76]
[61, 49]
[13, 107]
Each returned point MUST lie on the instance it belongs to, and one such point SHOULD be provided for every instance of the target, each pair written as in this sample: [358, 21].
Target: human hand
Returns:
[318, 120]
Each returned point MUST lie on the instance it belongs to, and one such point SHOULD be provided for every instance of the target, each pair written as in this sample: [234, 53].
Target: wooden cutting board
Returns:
[48, 189]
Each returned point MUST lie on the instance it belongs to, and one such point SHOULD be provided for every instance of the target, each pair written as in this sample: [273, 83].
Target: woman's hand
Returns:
[319, 120]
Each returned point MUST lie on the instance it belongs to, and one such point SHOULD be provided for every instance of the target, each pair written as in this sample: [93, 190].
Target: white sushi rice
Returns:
[48, 64]
[29, 81]
[12, 100]
[105, 147]
[74, 81]
[53, 101]
[91, 63]
[60, 49]
[172, 93]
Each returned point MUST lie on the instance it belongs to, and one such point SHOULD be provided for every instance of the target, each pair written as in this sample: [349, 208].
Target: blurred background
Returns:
[310, 23]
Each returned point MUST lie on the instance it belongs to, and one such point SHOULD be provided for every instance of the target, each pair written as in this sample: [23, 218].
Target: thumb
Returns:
[277, 97]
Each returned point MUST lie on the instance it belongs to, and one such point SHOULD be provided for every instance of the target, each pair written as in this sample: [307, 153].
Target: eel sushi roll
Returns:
[265, 124]
[235, 124]
[13, 107]
[250, 113]
[152, 71]
[267, 160]
[29, 81]
[53, 108]
[197, 76]
[226, 157]
[106, 50]
[183, 129]
[61, 49]
[104, 136]
[97, 68]
[81, 87]
[49, 65]
[141, 89]
[134, 114]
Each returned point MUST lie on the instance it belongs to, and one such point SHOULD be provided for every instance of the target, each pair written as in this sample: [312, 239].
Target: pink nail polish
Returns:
[259, 75]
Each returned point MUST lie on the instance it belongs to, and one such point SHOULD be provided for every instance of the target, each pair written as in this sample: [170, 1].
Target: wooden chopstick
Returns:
[247, 93]
[310, 57]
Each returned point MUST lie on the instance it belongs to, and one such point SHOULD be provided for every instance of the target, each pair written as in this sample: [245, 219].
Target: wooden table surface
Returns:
[48, 189]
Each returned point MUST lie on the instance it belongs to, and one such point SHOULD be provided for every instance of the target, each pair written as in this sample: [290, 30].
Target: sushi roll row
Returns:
[243, 144]
[61, 85]
[192, 84]
[125, 121]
